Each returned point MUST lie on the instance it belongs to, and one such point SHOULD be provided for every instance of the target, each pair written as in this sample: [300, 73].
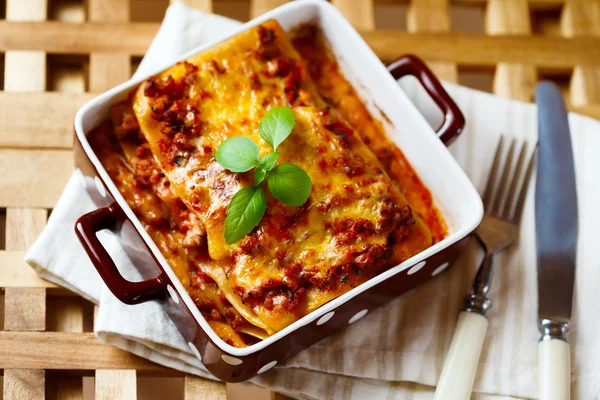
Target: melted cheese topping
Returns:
[355, 218]
[355, 224]
[341, 96]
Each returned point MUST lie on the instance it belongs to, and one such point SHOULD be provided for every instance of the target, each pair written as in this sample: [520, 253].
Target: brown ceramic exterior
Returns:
[219, 362]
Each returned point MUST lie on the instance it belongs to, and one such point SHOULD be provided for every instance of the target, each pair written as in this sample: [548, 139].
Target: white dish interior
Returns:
[452, 191]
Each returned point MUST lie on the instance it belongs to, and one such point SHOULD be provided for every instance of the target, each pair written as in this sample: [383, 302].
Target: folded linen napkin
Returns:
[395, 352]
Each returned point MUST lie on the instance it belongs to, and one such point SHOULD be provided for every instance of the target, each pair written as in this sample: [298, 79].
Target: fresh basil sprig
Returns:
[288, 183]
[246, 209]
[276, 125]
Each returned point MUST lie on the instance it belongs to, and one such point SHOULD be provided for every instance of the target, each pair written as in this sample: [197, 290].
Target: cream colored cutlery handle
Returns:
[458, 374]
[554, 370]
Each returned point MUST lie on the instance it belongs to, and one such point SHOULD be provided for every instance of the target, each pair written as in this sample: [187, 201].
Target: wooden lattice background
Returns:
[54, 55]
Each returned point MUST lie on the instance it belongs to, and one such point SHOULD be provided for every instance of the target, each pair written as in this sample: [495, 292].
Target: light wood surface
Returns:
[66, 351]
[197, 388]
[258, 7]
[25, 308]
[511, 17]
[88, 47]
[52, 126]
[115, 384]
[15, 273]
[360, 13]
[466, 49]
[39, 180]
[582, 18]
[433, 16]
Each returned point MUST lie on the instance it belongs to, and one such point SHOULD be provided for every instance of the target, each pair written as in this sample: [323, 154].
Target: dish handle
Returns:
[454, 121]
[112, 218]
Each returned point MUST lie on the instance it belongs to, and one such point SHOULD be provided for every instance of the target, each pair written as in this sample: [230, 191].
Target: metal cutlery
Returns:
[503, 199]
[556, 240]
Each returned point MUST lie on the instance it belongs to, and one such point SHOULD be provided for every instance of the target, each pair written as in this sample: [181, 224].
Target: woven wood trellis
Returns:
[54, 55]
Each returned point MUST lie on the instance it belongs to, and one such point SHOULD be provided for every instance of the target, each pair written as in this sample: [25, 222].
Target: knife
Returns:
[556, 236]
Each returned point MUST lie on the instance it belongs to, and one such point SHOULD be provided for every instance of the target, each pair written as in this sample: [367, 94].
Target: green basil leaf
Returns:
[269, 161]
[244, 213]
[289, 184]
[238, 154]
[276, 125]
[259, 175]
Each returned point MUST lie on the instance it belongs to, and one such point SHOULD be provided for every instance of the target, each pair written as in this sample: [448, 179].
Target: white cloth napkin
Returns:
[395, 352]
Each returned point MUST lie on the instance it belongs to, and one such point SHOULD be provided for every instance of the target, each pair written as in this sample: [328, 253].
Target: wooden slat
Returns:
[22, 384]
[23, 226]
[108, 69]
[432, 16]
[19, 63]
[198, 388]
[481, 50]
[511, 17]
[75, 38]
[26, 10]
[66, 351]
[461, 48]
[535, 4]
[39, 119]
[65, 314]
[258, 7]
[14, 273]
[202, 5]
[582, 18]
[542, 5]
[360, 13]
[36, 178]
[115, 385]
[592, 110]
[103, 72]
[108, 10]
[25, 309]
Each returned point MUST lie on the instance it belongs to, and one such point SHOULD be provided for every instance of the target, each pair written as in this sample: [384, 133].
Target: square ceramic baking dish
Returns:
[452, 191]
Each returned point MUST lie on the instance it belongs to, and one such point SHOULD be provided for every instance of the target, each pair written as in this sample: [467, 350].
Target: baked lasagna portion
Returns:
[159, 149]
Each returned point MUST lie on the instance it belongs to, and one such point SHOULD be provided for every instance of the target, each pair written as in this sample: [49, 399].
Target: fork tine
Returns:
[503, 184]
[512, 188]
[523, 194]
[491, 180]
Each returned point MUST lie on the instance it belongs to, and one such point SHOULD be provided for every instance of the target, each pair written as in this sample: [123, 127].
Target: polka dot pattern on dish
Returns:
[440, 269]
[325, 318]
[195, 350]
[231, 360]
[358, 316]
[173, 294]
[267, 367]
[100, 187]
[416, 268]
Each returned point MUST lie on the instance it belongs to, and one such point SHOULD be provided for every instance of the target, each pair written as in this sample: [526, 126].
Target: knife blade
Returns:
[556, 235]
[555, 207]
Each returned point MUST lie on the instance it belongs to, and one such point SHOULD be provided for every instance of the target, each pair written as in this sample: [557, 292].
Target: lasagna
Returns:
[367, 211]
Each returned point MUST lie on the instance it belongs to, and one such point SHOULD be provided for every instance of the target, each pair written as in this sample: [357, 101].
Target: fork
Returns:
[498, 230]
